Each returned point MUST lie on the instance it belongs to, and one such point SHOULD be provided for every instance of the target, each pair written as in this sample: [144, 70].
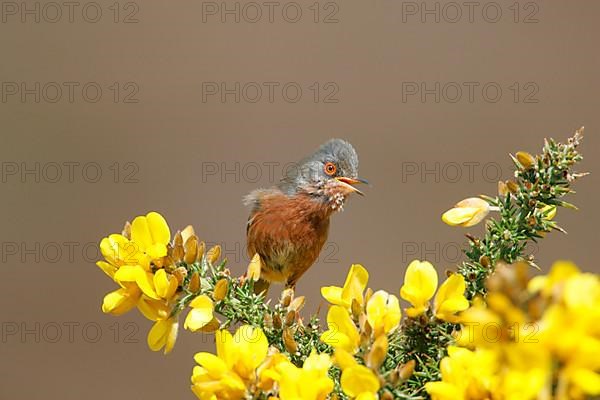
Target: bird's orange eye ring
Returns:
[330, 168]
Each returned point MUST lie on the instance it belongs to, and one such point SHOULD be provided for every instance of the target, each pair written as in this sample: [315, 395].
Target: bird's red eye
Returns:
[330, 168]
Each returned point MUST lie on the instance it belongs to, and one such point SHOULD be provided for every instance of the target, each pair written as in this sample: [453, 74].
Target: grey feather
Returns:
[309, 171]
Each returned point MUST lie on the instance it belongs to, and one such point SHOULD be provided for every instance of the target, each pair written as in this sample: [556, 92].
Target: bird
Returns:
[289, 223]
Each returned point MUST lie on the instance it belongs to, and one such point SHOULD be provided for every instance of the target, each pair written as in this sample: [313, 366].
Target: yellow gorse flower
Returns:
[553, 353]
[128, 264]
[354, 287]
[201, 313]
[383, 312]
[420, 284]
[573, 316]
[450, 298]
[475, 321]
[121, 300]
[342, 332]
[559, 273]
[152, 309]
[269, 372]
[518, 373]
[142, 278]
[118, 252]
[142, 263]
[151, 233]
[311, 382]
[163, 334]
[165, 284]
[466, 375]
[358, 381]
[227, 374]
[467, 212]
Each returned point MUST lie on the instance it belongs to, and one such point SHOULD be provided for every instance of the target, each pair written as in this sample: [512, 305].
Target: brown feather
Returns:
[288, 232]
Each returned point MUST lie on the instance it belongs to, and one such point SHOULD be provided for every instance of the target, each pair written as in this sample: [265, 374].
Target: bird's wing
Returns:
[253, 199]
[267, 231]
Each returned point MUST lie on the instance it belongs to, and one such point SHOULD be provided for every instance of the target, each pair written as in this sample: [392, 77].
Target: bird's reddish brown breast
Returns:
[288, 232]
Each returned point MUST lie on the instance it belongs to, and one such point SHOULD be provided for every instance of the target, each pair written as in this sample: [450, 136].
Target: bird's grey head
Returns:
[328, 174]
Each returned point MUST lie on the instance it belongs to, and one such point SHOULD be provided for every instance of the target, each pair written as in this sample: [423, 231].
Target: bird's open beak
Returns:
[349, 183]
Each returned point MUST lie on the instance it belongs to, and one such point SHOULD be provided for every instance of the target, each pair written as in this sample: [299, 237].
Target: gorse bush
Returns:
[486, 331]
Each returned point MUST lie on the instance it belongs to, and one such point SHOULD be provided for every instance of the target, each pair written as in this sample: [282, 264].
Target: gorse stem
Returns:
[527, 205]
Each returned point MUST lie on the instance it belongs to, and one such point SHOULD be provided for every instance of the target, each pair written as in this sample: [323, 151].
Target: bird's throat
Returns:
[325, 202]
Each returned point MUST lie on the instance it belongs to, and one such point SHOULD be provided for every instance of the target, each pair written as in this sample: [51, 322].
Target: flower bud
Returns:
[194, 284]
[288, 340]
[187, 232]
[213, 254]
[177, 250]
[127, 230]
[220, 291]
[180, 273]
[549, 212]
[365, 328]
[525, 159]
[290, 317]
[394, 377]
[364, 339]
[191, 249]
[286, 297]
[502, 188]
[356, 309]
[297, 303]
[277, 323]
[387, 395]
[485, 261]
[512, 187]
[268, 321]
[254, 268]
[200, 252]
[405, 371]
[177, 239]
[378, 352]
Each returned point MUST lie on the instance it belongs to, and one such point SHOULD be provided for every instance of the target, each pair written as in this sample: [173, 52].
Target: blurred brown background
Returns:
[110, 110]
